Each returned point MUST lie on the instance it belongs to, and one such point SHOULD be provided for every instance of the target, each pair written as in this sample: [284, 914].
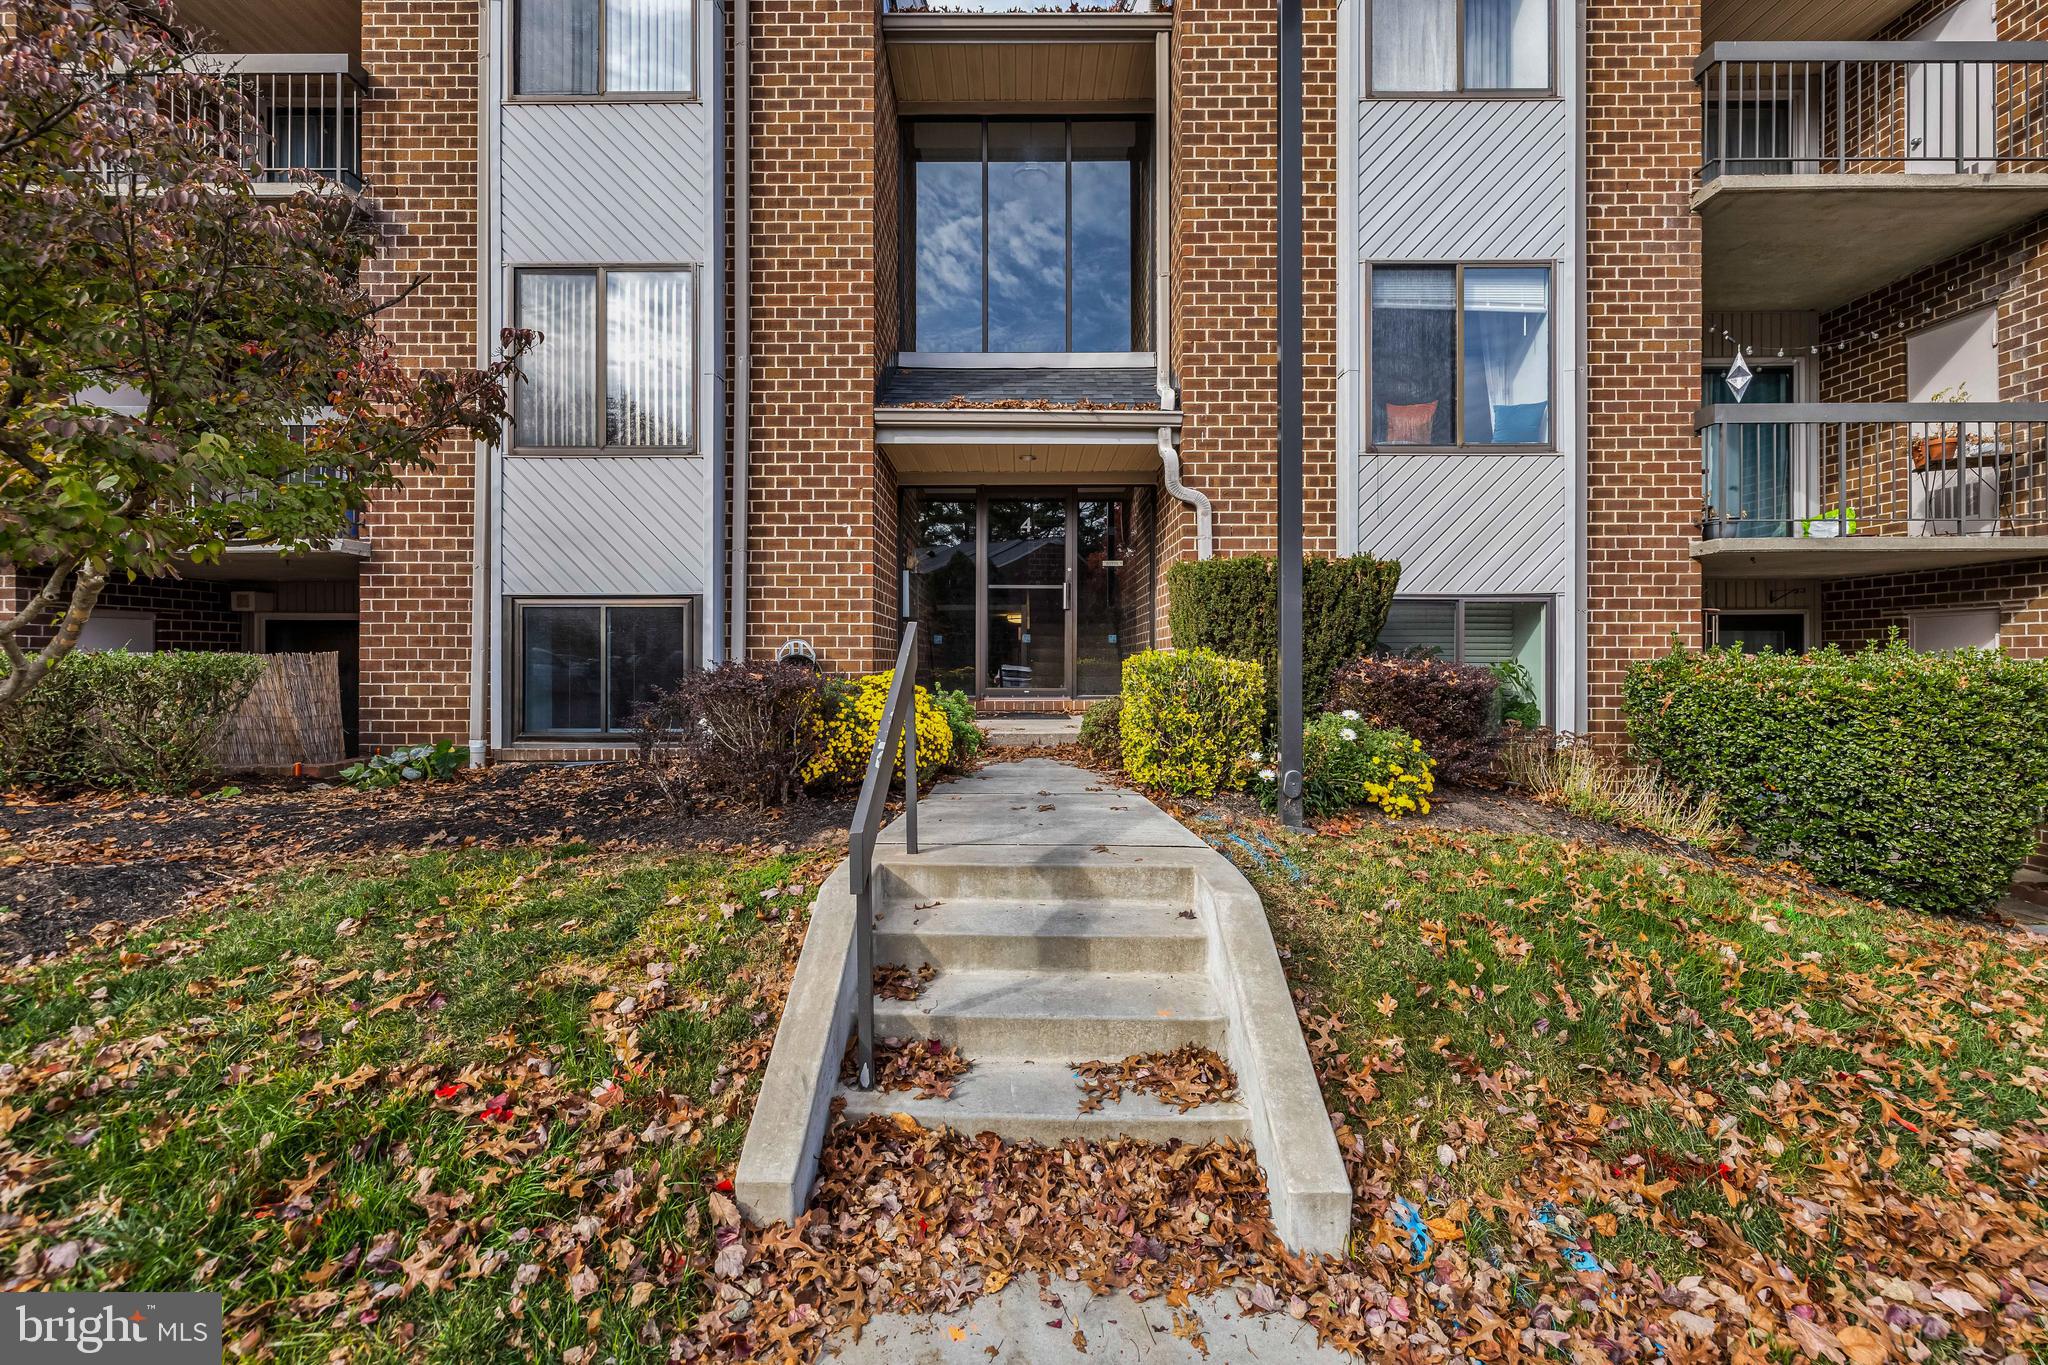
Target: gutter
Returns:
[742, 312]
[482, 562]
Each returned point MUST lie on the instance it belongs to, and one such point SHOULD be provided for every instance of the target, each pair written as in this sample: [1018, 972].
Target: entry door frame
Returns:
[983, 496]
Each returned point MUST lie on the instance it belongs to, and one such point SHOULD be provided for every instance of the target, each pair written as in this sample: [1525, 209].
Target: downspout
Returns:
[742, 312]
[1169, 461]
[1162, 237]
[480, 622]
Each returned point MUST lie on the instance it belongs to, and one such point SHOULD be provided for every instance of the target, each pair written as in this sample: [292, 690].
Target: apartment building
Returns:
[1721, 322]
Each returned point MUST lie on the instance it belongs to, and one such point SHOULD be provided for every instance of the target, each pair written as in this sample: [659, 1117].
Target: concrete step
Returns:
[966, 935]
[927, 878]
[1059, 1016]
[1025, 1100]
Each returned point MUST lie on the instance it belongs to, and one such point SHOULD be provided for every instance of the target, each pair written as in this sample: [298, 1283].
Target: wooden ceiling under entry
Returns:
[992, 77]
[969, 463]
[267, 26]
[1755, 21]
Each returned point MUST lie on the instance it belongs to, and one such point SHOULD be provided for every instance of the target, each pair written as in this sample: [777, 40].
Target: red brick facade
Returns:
[1643, 316]
[420, 157]
[816, 483]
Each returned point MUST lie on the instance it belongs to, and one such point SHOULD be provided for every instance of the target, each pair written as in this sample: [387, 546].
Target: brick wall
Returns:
[888, 215]
[189, 614]
[812, 554]
[1858, 611]
[1225, 143]
[1643, 341]
[420, 161]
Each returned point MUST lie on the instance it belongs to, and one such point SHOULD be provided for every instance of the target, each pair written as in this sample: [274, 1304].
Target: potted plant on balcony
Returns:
[1932, 450]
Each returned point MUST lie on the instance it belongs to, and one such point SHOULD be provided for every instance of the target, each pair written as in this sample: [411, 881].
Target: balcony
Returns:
[1828, 169]
[305, 122]
[1819, 490]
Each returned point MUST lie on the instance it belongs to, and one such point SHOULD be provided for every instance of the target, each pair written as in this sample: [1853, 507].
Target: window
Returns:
[1025, 235]
[1953, 359]
[1460, 356]
[1753, 632]
[613, 372]
[585, 667]
[106, 631]
[623, 48]
[1426, 47]
[1936, 632]
[1489, 632]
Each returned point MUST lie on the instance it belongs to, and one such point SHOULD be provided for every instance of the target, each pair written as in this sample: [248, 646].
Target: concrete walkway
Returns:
[1016, 1327]
[1039, 803]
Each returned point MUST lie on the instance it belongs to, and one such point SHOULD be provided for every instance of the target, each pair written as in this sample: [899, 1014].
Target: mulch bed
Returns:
[68, 864]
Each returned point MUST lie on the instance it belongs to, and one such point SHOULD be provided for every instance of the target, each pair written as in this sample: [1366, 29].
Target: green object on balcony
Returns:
[1835, 522]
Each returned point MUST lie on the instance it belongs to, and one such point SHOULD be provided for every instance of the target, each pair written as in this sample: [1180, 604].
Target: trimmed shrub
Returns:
[968, 738]
[151, 722]
[744, 732]
[1102, 730]
[1233, 607]
[1454, 709]
[853, 717]
[1188, 716]
[1919, 779]
[1346, 764]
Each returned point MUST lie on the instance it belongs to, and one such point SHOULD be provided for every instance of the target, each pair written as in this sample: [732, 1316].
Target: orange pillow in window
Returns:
[1410, 424]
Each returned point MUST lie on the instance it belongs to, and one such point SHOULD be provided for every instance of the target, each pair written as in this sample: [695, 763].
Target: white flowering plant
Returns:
[1347, 764]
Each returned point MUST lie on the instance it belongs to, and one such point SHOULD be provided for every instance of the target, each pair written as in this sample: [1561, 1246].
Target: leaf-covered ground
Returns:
[1598, 1104]
[453, 1107]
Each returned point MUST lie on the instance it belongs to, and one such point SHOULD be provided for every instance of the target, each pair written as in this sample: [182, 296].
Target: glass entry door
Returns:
[1028, 543]
[1023, 593]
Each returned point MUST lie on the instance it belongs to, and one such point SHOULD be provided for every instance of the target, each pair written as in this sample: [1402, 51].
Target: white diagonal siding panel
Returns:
[604, 183]
[1464, 180]
[605, 525]
[1468, 523]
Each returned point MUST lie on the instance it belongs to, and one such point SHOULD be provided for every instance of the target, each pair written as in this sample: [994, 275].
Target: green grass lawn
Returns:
[1699, 1072]
[446, 1107]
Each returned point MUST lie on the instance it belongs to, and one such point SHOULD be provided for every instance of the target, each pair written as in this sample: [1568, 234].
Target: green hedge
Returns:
[1919, 779]
[120, 720]
[1233, 607]
[1189, 716]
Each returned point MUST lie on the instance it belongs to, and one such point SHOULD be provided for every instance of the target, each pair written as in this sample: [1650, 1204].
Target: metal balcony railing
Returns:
[1830, 470]
[301, 116]
[1872, 108]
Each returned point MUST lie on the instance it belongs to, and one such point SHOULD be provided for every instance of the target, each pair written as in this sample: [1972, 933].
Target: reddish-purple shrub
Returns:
[735, 731]
[1454, 709]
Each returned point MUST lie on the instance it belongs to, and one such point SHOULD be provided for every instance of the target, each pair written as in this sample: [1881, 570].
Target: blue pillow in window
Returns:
[1521, 424]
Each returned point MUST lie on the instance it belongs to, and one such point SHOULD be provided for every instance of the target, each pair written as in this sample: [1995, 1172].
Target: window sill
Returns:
[601, 453]
[1027, 360]
[1461, 450]
[642, 97]
[1494, 95]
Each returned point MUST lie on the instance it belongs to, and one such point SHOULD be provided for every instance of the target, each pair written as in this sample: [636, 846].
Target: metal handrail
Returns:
[867, 823]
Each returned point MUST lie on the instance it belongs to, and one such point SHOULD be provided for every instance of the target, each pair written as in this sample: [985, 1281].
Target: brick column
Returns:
[1225, 146]
[1643, 341]
[813, 549]
[420, 163]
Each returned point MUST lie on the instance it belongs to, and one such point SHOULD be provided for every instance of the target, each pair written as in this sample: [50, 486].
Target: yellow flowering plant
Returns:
[1347, 763]
[854, 716]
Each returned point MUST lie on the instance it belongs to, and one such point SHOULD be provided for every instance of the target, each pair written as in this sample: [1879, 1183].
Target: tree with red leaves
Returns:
[185, 363]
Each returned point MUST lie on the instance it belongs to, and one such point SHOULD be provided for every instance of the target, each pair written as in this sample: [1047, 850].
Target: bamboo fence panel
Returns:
[293, 716]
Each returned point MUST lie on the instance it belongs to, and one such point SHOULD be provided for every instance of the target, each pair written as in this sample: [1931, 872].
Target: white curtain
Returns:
[648, 359]
[1507, 355]
[647, 45]
[556, 406]
[1507, 44]
[1415, 45]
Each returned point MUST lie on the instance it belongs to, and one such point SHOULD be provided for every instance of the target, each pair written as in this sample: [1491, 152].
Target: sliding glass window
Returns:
[613, 372]
[1460, 357]
[628, 49]
[1434, 47]
[585, 668]
[1510, 636]
[1025, 235]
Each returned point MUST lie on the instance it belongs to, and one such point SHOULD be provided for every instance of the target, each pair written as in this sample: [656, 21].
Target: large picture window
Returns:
[1025, 235]
[585, 667]
[628, 49]
[1461, 357]
[1429, 47]
[614, 370]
